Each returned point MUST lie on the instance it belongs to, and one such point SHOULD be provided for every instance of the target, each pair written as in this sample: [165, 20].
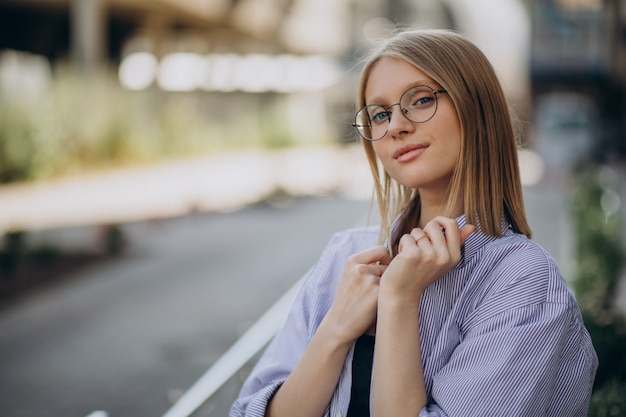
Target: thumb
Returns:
[466, 231]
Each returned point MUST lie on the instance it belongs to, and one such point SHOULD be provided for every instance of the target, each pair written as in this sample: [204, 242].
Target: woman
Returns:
[458, 313]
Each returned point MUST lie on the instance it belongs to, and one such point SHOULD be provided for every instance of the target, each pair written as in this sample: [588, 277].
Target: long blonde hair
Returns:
[487, 172]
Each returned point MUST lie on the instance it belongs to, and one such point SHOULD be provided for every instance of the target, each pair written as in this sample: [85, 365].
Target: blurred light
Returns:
[253, 73]
[320, 72]
[219, 74]
[294, 75]
[137, 71]
[307, 74]
[532, 167]
[257, 73]
[180, 72]
[610, 202]
[23, 73]
[608, 178]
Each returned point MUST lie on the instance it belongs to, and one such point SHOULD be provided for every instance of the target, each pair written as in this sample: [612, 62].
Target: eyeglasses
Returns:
[418, 104]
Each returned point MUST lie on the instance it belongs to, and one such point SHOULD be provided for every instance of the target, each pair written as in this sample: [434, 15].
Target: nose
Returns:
[399, 125]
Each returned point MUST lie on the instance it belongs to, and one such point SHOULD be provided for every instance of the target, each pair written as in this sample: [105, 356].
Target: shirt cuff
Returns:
[258, 404]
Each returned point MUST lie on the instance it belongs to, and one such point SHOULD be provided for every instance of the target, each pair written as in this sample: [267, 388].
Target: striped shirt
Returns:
[501, 334]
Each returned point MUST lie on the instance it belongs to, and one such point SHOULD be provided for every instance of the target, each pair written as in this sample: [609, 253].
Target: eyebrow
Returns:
[426, 82]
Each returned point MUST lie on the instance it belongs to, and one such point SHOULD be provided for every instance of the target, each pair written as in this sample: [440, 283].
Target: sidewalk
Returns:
[219, 182]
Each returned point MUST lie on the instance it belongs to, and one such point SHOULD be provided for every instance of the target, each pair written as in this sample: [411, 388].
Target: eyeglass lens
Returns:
[418, 104]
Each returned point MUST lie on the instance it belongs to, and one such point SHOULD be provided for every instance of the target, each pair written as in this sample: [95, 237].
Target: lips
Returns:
[408, 151]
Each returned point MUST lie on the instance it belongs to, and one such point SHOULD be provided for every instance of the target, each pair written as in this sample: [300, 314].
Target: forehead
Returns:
[390, 77]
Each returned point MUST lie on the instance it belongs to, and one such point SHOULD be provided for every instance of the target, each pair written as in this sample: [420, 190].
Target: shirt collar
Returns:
[474, 242]
[478, 239]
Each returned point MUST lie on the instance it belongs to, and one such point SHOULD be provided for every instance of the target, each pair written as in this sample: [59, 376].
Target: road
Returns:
[130, 335]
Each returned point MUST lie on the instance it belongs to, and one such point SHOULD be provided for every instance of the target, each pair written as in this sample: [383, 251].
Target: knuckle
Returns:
[444, 219]
[443, 260]
[361, 269]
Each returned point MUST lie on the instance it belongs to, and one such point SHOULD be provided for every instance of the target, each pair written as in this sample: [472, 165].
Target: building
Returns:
[578, 74]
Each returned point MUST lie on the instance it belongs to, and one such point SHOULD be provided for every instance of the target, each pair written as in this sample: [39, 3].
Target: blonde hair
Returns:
[487, 172]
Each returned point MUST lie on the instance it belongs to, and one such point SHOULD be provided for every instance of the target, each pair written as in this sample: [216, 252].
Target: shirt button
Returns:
[338, 414]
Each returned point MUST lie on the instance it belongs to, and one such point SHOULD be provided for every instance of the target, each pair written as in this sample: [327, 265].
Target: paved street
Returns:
[126, 336]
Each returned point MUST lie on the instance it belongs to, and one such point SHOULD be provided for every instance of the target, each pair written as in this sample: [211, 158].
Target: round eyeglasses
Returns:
[418, 104]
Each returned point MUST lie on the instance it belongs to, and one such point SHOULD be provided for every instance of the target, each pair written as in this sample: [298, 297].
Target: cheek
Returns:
[379, 149]
[452, 133]
[383, 155]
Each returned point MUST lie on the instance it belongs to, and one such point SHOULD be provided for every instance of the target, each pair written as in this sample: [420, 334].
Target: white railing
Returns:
[240, 353]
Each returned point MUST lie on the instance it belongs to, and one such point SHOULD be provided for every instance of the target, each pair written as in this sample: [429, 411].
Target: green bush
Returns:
[599, 252]
[83, 124]
[600, 258]
[609, 400]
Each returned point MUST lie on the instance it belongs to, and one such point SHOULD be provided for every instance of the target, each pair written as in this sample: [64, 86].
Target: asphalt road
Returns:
[128, 336]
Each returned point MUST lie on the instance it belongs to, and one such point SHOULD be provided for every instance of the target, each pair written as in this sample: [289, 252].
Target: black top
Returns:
[361, 377]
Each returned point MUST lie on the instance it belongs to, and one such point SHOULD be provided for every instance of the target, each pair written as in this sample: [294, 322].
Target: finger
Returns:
[418, 234]
[360, 273]
[374, 269]
[406, 241]
[380, 269]
[371, 255]
[444, 231]
[441, 230]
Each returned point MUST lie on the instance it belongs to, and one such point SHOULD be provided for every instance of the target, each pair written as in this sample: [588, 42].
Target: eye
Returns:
[418, 98]
[423, 100]
[378, 114]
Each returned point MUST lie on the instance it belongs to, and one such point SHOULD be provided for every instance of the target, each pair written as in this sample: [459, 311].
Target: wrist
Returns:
[335, 334]
[399, 300]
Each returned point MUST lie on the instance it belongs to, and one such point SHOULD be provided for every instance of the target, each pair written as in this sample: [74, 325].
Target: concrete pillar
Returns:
[88, 34]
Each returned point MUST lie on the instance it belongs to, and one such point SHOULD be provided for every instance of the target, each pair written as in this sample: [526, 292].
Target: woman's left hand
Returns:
[424, 256]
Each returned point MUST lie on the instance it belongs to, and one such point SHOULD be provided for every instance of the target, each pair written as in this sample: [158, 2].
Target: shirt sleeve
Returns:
[285, 350]
[528, 357]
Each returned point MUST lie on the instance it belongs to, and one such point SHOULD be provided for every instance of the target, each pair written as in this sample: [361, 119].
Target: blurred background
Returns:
[169, 169]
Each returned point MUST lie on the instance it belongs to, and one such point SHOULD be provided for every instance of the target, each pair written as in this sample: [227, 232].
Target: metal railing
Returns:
[236, 357]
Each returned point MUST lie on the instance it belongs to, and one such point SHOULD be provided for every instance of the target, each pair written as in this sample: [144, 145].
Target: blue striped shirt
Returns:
[501, 334]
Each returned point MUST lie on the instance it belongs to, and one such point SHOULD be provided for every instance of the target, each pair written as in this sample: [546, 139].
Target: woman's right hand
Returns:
[354, 308]
[310, 385]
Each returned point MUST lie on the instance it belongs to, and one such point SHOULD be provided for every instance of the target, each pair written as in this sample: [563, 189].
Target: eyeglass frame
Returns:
[402, 110]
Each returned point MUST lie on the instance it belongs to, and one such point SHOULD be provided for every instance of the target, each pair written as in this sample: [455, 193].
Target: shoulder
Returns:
[517, 253]
[340, 246]
[514, 281]
[343, 244]
[517, 267]
[354, 239]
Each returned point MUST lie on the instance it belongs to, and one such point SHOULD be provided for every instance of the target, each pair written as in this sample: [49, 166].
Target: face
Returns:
[417, 155]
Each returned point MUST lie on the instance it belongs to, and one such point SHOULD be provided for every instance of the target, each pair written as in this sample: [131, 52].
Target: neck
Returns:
[435, 205]
[428, 207]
